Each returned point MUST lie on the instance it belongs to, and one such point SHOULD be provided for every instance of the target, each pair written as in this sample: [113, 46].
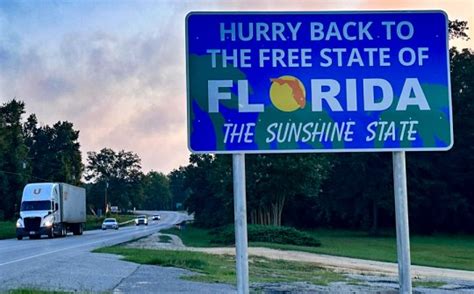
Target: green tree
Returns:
[209, 182]
[14, 170]
[54, 151]
[457, 29]
[156, 190]
[178, 189]
[119, 173]
[274, 180]
[440, 182]
[358, 193]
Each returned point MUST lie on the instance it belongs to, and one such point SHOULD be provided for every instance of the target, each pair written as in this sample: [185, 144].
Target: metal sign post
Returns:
[401, 215]
[240, 221]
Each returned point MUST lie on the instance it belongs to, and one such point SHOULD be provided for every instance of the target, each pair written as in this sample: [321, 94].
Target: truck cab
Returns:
[39, 210]
[51, 209]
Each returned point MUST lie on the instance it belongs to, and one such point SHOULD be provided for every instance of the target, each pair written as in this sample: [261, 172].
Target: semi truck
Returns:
[51, 209]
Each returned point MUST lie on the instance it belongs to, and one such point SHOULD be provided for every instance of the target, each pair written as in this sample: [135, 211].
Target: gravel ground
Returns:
[369, 276]
[153, 242]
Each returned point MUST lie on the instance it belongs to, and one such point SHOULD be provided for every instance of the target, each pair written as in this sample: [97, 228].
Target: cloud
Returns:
[124, 92]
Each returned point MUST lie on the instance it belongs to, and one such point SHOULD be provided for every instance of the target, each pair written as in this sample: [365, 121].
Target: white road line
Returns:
[176, 218]
[72, 247]
[23, 245]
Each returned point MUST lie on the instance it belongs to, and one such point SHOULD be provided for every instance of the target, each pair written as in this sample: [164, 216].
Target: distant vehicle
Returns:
[110, 223]
[114, 209]
[51, 209]
[156, 217]
[141, 220]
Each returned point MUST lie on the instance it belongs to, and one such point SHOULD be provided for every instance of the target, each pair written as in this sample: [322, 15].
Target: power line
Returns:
[20, 174]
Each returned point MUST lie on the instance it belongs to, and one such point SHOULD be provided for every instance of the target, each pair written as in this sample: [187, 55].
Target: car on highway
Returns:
[156, 217]
[110, 223]
[141, 220]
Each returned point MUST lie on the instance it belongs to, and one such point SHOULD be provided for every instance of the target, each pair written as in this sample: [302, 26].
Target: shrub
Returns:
[272, 234]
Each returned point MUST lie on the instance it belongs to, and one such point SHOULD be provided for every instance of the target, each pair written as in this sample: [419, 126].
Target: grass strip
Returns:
[193, 236]
[428, 284]
[221, 268]
[165, 239]
[7, 229]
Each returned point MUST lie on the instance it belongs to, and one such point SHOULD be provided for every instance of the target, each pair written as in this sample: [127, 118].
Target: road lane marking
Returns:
[71, 247]
[14, 243]
[161, 226]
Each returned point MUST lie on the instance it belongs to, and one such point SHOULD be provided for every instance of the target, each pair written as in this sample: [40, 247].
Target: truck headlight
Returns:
[48, 221]
[19, 223]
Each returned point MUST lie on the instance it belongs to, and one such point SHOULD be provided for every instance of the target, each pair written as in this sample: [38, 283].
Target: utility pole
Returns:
[105, 197]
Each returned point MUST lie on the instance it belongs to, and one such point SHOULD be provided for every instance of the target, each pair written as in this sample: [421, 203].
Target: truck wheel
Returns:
[19, 237]
[51, 233]
[57, 231]
[77, 229]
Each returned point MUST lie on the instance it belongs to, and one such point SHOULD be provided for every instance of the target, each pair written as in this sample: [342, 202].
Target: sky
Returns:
[116, 69]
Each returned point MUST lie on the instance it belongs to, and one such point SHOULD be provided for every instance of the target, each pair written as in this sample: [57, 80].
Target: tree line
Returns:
[33, 152]
[118, 177]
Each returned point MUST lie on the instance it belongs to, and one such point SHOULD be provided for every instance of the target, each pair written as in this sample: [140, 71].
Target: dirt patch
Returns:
[154, 242]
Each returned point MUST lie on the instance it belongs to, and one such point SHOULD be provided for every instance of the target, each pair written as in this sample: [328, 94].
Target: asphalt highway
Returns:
[67, 263]
[13, 252]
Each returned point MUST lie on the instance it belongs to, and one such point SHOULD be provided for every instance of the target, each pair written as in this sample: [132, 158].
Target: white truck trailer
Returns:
[51, 209]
